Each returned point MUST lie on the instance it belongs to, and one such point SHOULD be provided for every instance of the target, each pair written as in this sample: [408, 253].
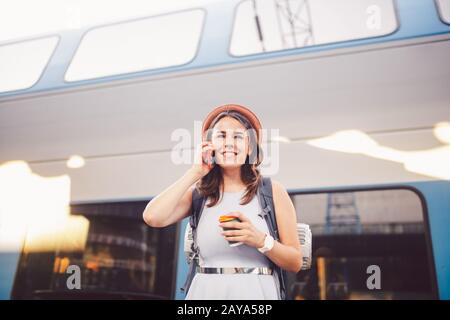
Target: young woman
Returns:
[226, 171]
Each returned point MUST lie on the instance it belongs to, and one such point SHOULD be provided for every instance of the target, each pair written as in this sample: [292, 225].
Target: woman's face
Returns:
[231, 142]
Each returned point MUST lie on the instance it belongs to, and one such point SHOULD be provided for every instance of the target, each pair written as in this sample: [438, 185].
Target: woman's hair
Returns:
[211, 185]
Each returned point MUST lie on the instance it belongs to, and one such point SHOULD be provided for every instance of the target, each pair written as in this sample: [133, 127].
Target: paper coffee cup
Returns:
[229, 218]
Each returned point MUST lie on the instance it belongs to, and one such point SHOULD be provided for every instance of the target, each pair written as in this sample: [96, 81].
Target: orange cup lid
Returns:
[226, 218]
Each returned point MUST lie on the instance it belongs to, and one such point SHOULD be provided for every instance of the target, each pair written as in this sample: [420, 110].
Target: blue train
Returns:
[91, 123]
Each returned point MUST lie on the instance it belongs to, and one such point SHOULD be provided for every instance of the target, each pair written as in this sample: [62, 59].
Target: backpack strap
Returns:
[198, 202]
[265, 196]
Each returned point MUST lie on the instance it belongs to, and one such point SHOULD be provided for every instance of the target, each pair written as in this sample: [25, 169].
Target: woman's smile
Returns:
[229, 154]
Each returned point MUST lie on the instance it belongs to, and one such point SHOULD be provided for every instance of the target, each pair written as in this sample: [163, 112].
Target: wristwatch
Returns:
[268, 244]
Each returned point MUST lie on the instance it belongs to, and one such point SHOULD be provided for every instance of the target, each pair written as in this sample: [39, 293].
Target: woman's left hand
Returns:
[246, 233]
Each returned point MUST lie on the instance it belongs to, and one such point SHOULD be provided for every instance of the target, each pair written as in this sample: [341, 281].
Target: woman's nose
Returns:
[229, 141]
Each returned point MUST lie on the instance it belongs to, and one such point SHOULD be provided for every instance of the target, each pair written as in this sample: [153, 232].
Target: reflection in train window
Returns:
[118, 256]
[444, 10]
[21, 70]
[144, 44]
[355, 230]
[272, 25]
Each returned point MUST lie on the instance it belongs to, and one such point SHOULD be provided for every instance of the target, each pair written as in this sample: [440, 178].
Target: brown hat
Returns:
[252, 118]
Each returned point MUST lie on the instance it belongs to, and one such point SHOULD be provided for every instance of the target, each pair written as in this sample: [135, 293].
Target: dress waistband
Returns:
[266, 271]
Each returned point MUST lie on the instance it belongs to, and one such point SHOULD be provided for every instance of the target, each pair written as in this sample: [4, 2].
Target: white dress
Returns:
[216, 252]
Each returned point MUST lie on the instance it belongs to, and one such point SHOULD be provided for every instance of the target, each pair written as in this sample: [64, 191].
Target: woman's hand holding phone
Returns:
[204, 159]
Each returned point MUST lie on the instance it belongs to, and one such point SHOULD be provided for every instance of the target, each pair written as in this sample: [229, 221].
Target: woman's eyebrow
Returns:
[234, 132]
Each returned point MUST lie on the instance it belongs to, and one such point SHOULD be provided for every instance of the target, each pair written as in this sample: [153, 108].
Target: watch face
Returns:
[268, 244]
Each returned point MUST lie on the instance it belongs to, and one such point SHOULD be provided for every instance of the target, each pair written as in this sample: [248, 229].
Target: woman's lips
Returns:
[229, 154]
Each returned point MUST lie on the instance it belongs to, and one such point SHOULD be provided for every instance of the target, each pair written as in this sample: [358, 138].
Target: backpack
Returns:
[265, 197]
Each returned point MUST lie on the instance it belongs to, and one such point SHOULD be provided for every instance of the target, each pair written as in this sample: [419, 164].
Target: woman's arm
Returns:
[174, 203]
[171, 205]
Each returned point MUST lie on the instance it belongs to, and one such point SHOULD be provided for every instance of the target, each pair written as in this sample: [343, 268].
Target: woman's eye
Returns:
[222, 135]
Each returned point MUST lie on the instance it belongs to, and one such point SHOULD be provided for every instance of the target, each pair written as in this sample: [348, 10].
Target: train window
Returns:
[444, 10]
[20, 19]
[265, 26]
[21, 70]
[111, 251]
[144, 44]
[366, 245]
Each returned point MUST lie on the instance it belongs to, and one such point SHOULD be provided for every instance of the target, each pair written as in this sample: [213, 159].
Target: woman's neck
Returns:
[232, 179]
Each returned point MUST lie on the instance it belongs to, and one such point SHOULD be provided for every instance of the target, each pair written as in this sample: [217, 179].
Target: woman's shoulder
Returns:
[277, 186]
[276, 183]
[278, 190]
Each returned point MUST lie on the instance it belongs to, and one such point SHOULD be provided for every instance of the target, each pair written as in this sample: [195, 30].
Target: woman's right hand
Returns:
[203, 152]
